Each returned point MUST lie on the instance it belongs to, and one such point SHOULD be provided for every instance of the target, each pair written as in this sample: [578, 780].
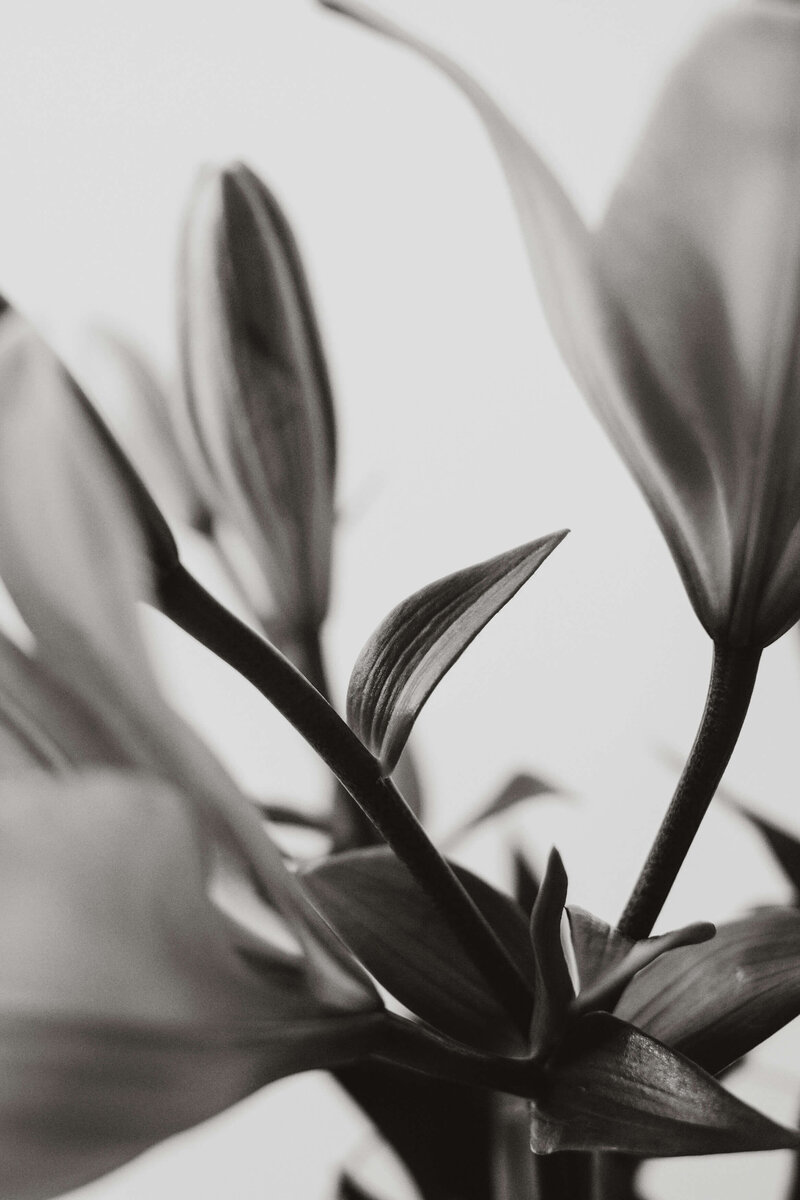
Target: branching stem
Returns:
[187, 603]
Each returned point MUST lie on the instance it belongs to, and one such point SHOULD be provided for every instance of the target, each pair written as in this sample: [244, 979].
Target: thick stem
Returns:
[733, 674]
[187, 603]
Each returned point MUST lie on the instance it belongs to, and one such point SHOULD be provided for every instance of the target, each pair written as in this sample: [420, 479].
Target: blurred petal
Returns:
[257, 411]
[613, 1088]
[716, 1001]
[126, 1011]
[71, 557]
[419, 641]
[43, 725]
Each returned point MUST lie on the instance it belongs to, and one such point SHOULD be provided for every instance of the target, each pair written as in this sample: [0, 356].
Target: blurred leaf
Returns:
[607, 961]
[135, 405]
[440, 1130]
[553, 991]
[611, 1087]
[255, 415]
[417, 644]
[785, 846]
[716, 1001]
[389, 923]
[348, 1189]
[283, 814]
[526, 882]
[520, 787]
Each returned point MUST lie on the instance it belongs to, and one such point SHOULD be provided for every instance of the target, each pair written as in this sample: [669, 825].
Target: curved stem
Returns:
[187, 603]
[733, 674]
[350, 828]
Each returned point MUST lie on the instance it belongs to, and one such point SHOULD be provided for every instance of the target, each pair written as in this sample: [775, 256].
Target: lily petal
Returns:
[126, 1011]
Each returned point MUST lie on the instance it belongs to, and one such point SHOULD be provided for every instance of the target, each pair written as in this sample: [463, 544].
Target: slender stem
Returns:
[418, 1048]
[733, 674]
[350, 828]
[187, 603]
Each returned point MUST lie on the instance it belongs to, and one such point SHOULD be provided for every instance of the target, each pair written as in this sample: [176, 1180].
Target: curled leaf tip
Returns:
[421, 639]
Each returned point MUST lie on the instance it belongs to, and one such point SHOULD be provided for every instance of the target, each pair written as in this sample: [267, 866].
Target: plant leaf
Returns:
[716, 1001]
[612, 1087]
[784, 846]
[390, 924]
[420, 639]
[607, 961]
[553, 991]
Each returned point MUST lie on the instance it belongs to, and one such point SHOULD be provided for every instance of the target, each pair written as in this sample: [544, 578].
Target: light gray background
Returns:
[461, 435]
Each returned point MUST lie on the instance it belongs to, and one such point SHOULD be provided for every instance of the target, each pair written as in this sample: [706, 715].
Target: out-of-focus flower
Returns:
[256, 412]
[679, 315]
[159, 961]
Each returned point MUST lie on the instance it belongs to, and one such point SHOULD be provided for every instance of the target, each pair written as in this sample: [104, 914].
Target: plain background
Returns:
[461, 435]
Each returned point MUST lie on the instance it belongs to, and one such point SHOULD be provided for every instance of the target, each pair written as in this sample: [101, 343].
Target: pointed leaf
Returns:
[389, 923]
[785, 846]
[612, 1087]
[554, 991]
[417, 644]
[613, 959]
[716, 1001]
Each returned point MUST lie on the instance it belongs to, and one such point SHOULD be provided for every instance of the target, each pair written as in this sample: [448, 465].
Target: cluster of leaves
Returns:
[162, 957]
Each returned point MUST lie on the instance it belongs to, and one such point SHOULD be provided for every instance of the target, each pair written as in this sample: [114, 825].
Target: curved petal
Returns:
[701, 247]
[127, 1012]
[71, 557]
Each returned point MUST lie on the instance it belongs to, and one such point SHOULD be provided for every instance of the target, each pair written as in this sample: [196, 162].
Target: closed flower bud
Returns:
[256, 414]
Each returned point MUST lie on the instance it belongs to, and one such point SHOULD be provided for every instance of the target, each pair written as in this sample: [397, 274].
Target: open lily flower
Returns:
[159, 961]
[678, 316]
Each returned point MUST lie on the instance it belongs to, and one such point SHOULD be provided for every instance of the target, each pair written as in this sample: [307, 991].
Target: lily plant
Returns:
[163, 955]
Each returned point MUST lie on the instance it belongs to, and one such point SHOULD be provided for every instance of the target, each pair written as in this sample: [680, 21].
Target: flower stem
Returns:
[733, 675]
[187, 603]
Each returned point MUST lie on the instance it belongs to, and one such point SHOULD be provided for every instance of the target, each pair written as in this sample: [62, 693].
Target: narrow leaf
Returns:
[553, 991]
[716, 1001]
[417, 644]
[391, 925]
[784, 846]
[622, 958]
[614, 1088]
